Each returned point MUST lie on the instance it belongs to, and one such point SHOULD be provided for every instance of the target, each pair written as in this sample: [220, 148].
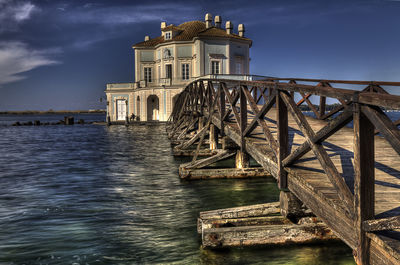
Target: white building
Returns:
[166, 64]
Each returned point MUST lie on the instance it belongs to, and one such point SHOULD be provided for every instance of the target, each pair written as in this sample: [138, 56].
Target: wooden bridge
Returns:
[342, 162]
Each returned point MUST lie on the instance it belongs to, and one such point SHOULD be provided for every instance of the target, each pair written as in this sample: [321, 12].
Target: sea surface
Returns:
[92, 194]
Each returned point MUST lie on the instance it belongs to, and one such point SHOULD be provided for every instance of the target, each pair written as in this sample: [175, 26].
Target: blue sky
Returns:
[60, 54]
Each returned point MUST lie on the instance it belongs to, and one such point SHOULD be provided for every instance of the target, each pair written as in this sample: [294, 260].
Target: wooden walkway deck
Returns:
[322, 174]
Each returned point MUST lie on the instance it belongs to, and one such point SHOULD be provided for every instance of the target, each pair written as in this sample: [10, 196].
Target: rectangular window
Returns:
[215, 69]
[185, 71]
[147, 74]
[168, 70]
[239, 67]
[159, 72]
[167, 35]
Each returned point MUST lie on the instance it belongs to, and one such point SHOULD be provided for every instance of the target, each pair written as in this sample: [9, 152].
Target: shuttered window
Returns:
[185, 71]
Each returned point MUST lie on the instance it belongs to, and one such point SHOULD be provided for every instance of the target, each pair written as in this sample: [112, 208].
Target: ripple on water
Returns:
[111, 195]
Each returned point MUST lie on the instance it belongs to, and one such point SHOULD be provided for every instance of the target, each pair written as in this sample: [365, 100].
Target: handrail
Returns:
[226, 102]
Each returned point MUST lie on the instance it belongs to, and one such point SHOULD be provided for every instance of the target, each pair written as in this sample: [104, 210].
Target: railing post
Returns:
[209, 97]
[283, 138]
[222, 104]
[243, 117]
[322, 103]
[364, 180]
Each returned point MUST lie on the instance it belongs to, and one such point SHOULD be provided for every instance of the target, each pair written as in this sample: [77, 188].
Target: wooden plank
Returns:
[283, 138]
[364, 180]
[312, 107]
[200, 143]
[382, 100]
[262, 209]
[243, 221]
[384, 250]
[259, 114]
[259, 118]
[384, 125]
[323, 134]
[193, 139]
[389, 223]
[222, 173]
[220, 155]
[266, 235]
[319, 151]
[243, 117]
[322, 103]
[327, 211]
[235, 112]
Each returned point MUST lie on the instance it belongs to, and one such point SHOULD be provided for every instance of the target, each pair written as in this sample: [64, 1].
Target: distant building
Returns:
[166, 64]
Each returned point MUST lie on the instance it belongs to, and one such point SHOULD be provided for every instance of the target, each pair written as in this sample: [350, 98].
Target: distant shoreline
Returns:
[58, 112]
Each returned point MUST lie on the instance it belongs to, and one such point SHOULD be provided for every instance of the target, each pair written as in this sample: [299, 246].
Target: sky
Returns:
[60, 54]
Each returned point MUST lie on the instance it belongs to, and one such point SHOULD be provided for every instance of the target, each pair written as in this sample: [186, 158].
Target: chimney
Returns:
[241, 30]
[229, 27]
[146, 38]
[163, 24]
[208, 20]
[218, 21]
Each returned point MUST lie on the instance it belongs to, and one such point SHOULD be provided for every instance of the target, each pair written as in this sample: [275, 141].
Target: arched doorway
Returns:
[138, 108]
[152, 108]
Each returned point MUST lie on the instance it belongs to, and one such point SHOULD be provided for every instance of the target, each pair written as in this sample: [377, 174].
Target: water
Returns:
[90, 194]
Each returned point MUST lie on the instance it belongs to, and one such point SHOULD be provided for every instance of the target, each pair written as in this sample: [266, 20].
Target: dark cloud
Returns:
[86, 44]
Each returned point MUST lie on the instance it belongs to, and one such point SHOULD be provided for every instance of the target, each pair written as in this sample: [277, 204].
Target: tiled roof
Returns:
[171, 27]
[189, 30]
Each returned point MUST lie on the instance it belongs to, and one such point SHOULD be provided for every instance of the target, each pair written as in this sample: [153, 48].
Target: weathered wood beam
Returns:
[222, 173]
[194, 138]
[259, 118]
[220, 155]
[244, 221]
[266, 235]
[242, 211]
[384, 125]
[312, 107]
[283, 137]
[222, 105]
[213, 137]
[292, 207]
[332, 214]
[304, 98]
[259, 114]
[243, 117]
[200, 143]
[321, 154]
[228, 96]
[382, 100]
[389, 223]
[323, 134]
[364, 181]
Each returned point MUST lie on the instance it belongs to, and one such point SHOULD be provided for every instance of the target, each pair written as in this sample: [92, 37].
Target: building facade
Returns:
[166, 64]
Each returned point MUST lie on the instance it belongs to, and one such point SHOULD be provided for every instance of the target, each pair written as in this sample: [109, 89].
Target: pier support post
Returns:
[127, 110]
[364, 181]
[213, 137]
[201, 124]
[228, 143]
[291, 206]
[283, 139]
[242, 159]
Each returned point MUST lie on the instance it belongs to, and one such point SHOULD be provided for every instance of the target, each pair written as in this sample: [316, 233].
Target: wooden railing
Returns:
[232, 100]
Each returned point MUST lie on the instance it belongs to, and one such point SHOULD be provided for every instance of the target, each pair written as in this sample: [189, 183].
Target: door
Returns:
[121, 109]
[168, 71]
